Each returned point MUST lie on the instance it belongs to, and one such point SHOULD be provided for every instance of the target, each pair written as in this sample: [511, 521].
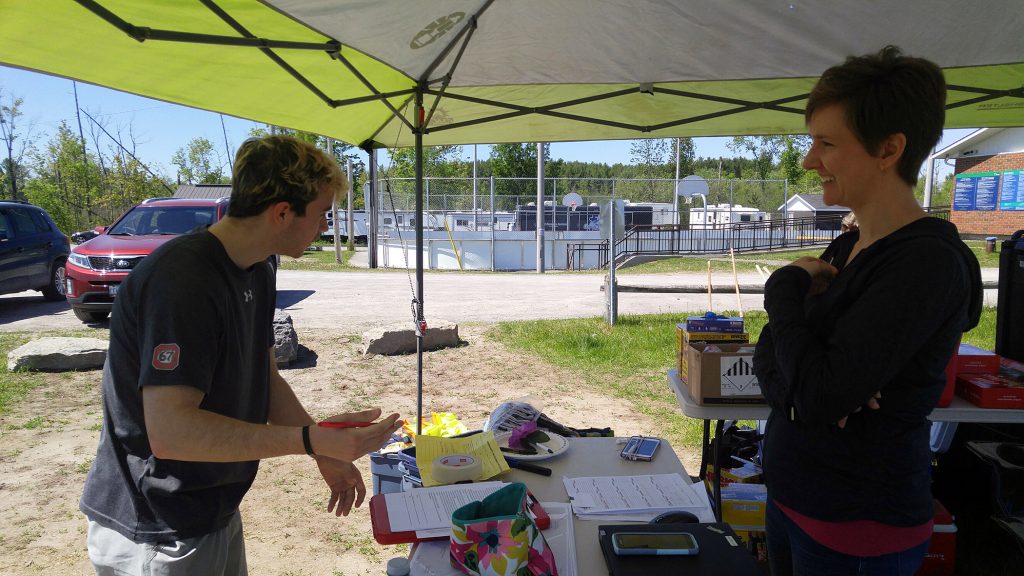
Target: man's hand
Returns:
[345, 482]
[821, 273]
[872, 403]
[350, 444]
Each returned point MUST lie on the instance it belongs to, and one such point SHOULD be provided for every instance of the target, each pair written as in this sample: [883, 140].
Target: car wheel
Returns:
[55, 289]
[90, 315]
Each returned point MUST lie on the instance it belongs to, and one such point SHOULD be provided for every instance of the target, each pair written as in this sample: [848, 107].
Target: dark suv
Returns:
[97, 267]
[32, 251]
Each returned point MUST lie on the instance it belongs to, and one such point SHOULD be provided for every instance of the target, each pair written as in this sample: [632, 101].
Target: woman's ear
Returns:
[891, 150]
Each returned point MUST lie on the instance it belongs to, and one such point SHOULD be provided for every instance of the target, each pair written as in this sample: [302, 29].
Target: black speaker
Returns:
[1010, 312]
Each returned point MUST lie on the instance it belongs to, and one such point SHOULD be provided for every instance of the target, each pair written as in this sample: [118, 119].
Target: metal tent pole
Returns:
[420, 323]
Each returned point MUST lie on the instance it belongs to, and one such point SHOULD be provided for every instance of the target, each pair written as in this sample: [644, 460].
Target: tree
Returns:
[649, 156]
[13, 171]
[765, 151]
[199, 163]
[687, 156]
[67, 179]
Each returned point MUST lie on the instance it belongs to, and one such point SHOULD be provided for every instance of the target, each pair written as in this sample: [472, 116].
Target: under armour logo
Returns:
[247, 296]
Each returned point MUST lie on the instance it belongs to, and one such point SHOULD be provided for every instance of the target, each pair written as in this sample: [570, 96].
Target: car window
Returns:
[22, 222]
[42, 223]
[137, 221]
[3, 224]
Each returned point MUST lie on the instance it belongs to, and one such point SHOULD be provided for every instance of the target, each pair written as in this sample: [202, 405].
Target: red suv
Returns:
[96, 268]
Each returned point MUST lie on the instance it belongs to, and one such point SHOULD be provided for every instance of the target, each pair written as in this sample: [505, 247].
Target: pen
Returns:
[326, 424]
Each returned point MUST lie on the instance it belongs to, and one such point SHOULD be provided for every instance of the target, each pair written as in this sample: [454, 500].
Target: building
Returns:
[724, 215]
[808, 205]
[988, 193]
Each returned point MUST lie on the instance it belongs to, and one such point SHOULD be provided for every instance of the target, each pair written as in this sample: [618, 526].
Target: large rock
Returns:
[58, 354]
[401, 338]
[286, 341]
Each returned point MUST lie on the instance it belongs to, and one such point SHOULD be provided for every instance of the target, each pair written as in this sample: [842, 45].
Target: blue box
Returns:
[715, 323]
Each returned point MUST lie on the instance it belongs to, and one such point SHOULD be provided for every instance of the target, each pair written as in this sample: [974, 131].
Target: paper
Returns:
[431, 558]
[635, 497]
[431, 508]
[482, 445]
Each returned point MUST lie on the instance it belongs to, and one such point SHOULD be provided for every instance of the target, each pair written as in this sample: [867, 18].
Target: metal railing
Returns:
[775, 234]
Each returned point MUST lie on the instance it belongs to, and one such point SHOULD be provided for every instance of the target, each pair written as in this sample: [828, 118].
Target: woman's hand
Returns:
[821, 273]
[345, 482]
[872, 403]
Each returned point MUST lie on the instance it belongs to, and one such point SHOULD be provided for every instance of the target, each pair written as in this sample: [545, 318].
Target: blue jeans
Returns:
[792, 551]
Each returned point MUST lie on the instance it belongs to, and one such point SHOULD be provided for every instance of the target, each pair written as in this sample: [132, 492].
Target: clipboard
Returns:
[382, 524]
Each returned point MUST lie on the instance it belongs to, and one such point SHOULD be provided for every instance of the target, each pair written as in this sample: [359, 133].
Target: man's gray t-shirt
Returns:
[187, 315]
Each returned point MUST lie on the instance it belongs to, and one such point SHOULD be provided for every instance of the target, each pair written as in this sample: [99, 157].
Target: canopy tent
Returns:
[514, 70]
[394, 73]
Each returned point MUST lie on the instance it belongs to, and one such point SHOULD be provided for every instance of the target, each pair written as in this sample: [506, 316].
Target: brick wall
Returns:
[990, 222]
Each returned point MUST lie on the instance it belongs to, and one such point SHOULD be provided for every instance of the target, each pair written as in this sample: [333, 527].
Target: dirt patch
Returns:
[48, 441]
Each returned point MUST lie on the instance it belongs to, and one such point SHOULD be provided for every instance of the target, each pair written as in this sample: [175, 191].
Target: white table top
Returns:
[959, 410]
[591, 457]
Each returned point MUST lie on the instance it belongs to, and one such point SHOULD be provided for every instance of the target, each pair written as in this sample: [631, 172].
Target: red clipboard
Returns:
[382, 525]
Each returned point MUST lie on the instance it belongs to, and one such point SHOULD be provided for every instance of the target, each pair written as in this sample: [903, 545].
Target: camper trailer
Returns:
[723, 215]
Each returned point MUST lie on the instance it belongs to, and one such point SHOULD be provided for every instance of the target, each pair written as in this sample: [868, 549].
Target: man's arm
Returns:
[179, 429]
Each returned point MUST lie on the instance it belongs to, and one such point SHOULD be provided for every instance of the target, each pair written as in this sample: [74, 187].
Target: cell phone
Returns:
[654, 544]
[640, 448]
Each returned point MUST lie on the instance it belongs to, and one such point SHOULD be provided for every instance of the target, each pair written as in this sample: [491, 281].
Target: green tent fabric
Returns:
[513, 70]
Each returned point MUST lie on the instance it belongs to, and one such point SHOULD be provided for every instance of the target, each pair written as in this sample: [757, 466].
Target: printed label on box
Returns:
[738, 378]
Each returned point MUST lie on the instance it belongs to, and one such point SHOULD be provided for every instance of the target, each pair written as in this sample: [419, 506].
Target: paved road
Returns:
[354, 301]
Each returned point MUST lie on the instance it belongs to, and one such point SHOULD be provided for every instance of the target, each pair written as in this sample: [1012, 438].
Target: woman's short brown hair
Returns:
[887, 93]
[280, 169]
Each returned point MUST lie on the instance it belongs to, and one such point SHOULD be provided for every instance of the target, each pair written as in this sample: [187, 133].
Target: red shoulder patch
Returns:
[166, 356]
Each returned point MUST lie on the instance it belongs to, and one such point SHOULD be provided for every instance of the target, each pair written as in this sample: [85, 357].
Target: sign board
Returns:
[1011, 190]
[976, 191]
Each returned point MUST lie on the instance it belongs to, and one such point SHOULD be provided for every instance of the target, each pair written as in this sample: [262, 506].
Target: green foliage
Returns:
[199, 162]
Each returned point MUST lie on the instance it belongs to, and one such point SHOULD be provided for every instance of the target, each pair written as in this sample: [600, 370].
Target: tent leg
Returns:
[420, 323]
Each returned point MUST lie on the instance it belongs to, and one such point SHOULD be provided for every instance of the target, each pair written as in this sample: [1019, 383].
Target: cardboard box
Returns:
[1002, 390]
[745, 473]
[974, 360]
[721, 373]
[714, 323]
[744, 505]
[684, 338]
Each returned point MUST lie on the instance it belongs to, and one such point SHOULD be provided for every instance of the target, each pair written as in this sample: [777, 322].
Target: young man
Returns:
[192, 399]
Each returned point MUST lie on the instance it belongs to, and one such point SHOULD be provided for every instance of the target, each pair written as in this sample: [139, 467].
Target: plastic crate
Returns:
[387, 478]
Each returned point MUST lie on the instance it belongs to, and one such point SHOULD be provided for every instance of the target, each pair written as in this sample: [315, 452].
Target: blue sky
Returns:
[161, 128]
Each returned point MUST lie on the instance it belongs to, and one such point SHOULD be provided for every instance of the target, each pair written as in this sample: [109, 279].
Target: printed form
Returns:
[597, 495]
[431, 508]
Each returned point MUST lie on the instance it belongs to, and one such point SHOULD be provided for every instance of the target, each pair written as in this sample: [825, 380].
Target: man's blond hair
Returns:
[273, 169]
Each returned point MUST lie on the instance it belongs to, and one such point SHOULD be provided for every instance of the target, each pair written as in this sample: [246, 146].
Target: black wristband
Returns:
[305, 440]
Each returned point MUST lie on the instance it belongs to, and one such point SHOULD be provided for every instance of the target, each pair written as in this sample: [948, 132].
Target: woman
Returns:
[852, 360]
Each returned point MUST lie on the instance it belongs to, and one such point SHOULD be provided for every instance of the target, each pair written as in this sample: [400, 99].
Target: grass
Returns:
[14, 385]
[744, 262]
[631, 358]
[322, 260]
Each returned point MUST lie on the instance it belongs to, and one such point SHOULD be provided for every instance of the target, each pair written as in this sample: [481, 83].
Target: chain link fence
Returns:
[443, 197]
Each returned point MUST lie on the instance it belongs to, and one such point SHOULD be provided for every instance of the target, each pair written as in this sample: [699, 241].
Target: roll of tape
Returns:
[457, 468]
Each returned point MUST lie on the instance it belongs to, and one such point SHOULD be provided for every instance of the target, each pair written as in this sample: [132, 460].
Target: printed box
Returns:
[744, 505]
[684, 338]
[722, 373]
[1003, 390]
[974, 360]
[727, 324]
